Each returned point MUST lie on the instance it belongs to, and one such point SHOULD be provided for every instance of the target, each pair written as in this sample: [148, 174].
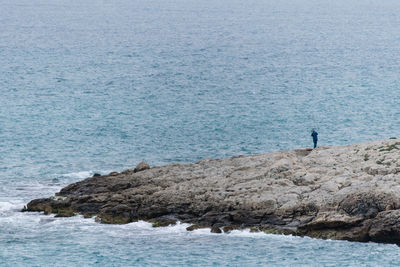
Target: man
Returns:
[314, 135]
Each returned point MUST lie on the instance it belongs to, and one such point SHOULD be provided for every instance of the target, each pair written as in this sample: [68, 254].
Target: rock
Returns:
[229, 228]
[96, 175]
[195, 227]
[255, 229]
[49, 205]
[385, 227]
[65, 213]
[215, 230]
[162, 222]
[332, 220]
[141, 167]
[117, 214]
[344, 192]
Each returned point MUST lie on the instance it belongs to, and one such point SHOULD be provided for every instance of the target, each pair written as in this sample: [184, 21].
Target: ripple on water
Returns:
[96, 86]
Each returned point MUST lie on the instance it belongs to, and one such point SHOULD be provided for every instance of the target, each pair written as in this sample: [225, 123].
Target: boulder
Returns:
[215, 230]
[142, 166]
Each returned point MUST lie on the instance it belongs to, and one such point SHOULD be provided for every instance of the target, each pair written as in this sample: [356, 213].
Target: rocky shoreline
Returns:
[342, 192]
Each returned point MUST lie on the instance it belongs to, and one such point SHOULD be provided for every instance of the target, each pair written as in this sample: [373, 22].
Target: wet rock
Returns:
[385, 227]
[195, 227]
[229, 228]
[87, 208]
[65, 213]
[117, 214]
[255, 229]
[215, 230]
[162, 222]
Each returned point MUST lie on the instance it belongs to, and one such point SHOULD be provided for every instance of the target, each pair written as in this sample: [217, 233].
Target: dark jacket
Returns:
[314, 136]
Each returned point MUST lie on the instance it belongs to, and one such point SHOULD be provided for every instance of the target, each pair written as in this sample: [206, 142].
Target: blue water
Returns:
[97, 86]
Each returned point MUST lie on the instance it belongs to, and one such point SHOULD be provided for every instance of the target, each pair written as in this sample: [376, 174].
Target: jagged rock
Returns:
[142, 166]
[386, 227]
[344, 192]
[162, 222]
[215, 230]
[116, 214]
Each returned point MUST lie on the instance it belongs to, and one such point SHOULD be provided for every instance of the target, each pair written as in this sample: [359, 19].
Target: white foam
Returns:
[173, 229]
[135, 228]
[85, 174]
[79, 175]
[202, 231]
[10, 206]
[180, 228]
[247, 233]
[143, 225]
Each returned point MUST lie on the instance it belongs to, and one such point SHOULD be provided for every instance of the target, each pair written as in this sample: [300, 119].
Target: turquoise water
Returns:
[97, 86]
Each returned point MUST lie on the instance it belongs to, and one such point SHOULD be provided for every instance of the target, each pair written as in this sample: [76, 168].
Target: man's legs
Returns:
[315, 144]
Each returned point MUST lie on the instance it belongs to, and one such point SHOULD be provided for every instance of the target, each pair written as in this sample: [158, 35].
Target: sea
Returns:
[95, 86]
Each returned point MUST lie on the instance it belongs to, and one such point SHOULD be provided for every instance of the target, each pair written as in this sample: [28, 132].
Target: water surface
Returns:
[97, 86]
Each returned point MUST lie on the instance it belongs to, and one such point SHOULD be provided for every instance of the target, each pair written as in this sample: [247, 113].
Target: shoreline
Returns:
[338, 192]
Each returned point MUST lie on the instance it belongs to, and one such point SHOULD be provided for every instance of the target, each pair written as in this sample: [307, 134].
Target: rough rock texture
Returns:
[141, 167]
[348, 192]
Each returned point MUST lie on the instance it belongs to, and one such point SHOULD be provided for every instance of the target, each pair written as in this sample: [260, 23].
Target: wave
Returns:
[80, 175]
[84, 174]
[10, 206]
[180, 228]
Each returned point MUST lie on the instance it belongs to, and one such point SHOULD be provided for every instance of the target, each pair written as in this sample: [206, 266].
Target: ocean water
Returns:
[97, 86]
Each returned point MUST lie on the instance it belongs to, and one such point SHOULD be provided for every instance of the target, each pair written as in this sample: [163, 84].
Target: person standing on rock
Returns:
[314, 135]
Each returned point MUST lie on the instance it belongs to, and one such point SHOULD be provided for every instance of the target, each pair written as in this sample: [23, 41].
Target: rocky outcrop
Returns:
[346, 192]
[141, 167]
